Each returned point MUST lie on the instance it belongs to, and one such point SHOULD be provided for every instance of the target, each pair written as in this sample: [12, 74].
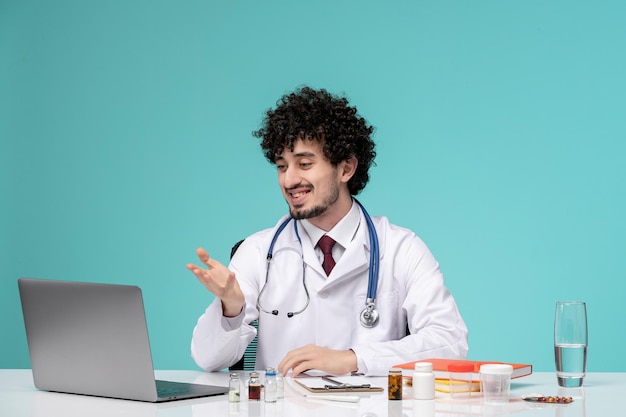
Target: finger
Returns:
[207, 260]
[203, 255]
[231, 281]
[192, 267]
[284, 366]
[197, 271]
[291, 360]
[302, 367]
[288, 360]
[195, 268]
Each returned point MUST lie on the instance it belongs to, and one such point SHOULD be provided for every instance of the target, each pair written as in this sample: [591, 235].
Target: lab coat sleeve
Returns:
[434, 322]
[215, 340]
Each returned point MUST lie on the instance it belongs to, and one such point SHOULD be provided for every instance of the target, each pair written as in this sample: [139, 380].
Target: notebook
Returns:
[92, 339]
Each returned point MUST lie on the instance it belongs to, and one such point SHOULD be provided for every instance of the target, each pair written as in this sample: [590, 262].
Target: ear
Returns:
[347, 168]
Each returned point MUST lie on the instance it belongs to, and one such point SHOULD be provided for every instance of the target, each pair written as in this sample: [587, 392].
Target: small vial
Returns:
[423, 381]
[254, 387]
[394, 388]
[270, 385]
[280, 385]
[234, 389]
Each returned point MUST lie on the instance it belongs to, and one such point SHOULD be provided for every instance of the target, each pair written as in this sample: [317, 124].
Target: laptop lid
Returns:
[92, 339]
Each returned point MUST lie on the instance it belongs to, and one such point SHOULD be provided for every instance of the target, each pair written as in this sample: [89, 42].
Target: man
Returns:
[309, 297]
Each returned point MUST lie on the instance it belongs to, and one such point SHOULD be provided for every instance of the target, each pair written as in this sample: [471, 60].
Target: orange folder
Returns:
[440, 366]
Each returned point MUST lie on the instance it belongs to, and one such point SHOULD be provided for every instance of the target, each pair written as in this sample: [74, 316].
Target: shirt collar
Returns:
[343, 232]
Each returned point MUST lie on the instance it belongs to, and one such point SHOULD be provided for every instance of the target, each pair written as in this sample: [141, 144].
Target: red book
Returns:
[440, 367]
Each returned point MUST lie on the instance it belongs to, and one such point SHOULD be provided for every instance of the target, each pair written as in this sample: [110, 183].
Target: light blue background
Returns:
[125, 131]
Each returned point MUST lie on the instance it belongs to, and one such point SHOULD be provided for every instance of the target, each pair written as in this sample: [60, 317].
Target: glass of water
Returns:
[570, 342]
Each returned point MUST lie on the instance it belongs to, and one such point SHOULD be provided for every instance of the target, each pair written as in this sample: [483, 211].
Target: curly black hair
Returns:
[319, 115]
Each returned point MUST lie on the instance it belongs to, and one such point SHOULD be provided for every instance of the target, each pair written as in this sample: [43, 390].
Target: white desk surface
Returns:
[601, 395]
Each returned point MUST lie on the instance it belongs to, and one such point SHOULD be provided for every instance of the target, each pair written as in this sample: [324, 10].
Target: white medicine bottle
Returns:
[423, 381]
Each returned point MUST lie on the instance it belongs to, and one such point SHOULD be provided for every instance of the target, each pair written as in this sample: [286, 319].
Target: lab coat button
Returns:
[322, 294]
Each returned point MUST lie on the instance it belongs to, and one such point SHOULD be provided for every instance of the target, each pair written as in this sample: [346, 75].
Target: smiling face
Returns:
[313, 188]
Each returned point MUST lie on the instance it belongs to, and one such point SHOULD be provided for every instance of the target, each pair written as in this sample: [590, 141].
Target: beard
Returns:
[330, 199]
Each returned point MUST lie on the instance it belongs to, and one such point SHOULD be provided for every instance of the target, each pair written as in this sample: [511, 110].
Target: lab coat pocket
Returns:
[390, 319]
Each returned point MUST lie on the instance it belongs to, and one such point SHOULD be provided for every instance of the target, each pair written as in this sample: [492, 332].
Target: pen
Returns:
[329, 379]
[343, 398]
[342, 385]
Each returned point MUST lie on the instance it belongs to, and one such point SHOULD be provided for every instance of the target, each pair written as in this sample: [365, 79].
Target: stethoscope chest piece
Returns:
[369, 315]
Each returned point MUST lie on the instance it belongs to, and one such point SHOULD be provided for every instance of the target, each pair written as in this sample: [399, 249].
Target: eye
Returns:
[305, 165]
[281, 167]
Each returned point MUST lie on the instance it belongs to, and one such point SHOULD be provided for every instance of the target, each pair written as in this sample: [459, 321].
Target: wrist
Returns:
[353, 363]
[231, 310]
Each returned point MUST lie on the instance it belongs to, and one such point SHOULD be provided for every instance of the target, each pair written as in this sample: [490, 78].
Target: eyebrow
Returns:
[305, 154]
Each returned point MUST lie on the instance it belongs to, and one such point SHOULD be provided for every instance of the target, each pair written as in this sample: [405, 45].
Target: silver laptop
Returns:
[92, 339]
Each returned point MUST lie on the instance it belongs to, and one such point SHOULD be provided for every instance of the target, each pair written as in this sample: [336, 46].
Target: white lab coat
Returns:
[410, 290]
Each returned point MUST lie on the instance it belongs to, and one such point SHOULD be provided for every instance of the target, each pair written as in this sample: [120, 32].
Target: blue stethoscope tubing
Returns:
[369, 316]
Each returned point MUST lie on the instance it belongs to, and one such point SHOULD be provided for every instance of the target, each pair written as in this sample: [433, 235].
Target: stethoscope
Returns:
[369, 315]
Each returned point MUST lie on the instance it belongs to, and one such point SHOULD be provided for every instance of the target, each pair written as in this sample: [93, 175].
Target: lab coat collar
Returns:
[356, 257]
[354, 260]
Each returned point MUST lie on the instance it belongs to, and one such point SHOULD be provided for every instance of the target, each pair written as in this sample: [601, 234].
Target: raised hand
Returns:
[220, 281]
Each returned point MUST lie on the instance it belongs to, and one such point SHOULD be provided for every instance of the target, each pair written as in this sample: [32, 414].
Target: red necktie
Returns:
[326, 244]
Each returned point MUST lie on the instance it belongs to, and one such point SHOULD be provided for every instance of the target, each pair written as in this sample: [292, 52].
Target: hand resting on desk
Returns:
[307, 357]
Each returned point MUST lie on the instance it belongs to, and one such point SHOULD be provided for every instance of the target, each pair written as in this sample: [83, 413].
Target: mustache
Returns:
[301, 185]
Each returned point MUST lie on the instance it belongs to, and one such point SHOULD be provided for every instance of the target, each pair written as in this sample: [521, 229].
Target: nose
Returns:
[290, 177]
